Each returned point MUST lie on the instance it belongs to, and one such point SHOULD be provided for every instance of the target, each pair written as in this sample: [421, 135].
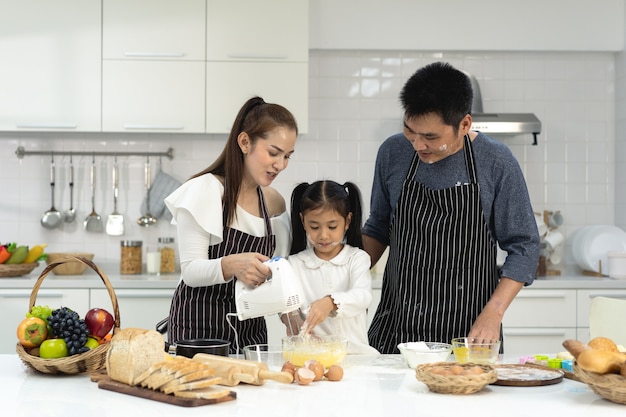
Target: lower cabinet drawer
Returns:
[542, 308]
[530, 341]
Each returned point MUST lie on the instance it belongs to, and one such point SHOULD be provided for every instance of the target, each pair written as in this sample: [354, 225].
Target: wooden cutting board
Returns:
[105, 382]
[527, 375]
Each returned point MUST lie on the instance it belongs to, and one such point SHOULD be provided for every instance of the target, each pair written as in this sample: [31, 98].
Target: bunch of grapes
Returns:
[66, 324]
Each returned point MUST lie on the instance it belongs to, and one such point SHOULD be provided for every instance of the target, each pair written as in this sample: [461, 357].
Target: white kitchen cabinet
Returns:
[142, 308]
[14, 304]
[256, 48]
[252, 30]
[539, 320]
[155, 96]
[153, 66]
[230, 84]
[153, 29]
[50, 72]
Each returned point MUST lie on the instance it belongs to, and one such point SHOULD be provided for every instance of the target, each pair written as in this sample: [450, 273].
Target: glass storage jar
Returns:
[130, 257]
[168, 255]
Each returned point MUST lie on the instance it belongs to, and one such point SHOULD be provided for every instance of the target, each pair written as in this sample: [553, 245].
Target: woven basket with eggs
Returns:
[455, 378]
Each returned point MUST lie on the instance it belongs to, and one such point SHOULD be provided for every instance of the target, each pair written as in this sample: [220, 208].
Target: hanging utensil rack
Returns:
[21, 153]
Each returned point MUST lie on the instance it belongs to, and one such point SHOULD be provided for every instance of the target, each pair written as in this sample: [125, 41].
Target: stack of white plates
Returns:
[591, 246]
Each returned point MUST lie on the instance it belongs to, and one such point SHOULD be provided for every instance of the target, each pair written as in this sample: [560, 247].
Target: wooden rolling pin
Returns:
[231, 374]
[258, 371]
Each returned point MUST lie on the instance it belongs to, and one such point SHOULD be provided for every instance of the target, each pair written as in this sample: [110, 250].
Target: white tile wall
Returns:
[353, 108]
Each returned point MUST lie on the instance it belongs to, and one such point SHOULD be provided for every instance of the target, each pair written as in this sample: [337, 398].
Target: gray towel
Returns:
[162, 186]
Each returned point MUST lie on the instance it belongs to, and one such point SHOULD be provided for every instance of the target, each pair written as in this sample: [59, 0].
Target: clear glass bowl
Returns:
[417, 353]
[328, 350]
[270, 355]
[475, 350]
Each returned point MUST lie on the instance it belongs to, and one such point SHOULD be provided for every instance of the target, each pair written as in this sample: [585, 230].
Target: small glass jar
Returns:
[168, 255]
[130, 257]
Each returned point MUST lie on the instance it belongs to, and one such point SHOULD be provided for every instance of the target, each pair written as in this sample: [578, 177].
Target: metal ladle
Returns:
[147, 219]
[70, 214]
[51, 219]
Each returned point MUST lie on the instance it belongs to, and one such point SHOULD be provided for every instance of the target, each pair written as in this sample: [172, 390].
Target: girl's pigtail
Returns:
[353, 234]
[298, 241]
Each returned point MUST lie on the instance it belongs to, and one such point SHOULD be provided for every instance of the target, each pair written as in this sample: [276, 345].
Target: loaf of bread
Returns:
[183, 377]
[132, 352]
[603, 343]
[601, 361]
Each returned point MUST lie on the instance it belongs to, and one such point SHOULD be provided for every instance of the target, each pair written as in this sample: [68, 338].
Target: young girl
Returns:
[327, 257]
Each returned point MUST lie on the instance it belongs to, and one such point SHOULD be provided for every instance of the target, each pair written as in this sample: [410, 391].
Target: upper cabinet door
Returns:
[274, 30]
[153, 29]
[51, 59]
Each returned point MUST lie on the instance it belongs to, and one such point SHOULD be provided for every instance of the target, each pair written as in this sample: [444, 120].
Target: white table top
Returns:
[381, 386]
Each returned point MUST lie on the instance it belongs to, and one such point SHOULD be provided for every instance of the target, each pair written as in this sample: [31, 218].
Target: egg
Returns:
[474, 370]
[288, 367]
[456, 370]
[316, 367]
[334, 373]
[304, 376]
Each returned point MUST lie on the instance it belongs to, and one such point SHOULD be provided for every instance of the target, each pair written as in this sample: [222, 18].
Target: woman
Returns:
[229, 221]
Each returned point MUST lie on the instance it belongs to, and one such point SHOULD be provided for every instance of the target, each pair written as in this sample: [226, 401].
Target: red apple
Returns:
[99, 322]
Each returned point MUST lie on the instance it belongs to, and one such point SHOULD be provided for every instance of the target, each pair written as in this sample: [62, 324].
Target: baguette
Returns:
[575, 347]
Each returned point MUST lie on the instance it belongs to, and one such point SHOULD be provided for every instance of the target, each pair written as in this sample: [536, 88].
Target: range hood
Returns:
[496, 124]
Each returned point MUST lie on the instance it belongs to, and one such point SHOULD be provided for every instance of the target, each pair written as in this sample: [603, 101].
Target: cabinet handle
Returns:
[533, 332]
[594, 294]
[252, 56]
[155, 54]
[536, 294]
[131, 126]
[46, 126]
[139, 295]
[28, 293]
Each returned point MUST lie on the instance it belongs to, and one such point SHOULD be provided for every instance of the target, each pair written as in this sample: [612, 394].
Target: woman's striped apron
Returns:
[441, 269]
[200, 312]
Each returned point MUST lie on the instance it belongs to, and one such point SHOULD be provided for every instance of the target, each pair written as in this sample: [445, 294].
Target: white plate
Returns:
[591, 245]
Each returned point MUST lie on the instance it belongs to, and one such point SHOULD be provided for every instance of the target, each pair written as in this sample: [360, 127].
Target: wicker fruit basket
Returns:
[90, 361]
[17, 270]
[440, 377]
[609, 386]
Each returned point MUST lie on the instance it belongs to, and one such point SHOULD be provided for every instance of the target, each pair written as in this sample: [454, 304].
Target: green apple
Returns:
[53, 348]
[92, 343]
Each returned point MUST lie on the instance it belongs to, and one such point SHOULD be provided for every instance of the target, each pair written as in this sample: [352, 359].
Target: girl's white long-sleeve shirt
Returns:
[196, 208]
[347, 279]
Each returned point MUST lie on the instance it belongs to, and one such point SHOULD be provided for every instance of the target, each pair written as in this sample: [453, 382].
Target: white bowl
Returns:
[416, 353]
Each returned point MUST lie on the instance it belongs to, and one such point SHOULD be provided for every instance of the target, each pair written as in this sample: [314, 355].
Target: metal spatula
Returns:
[115, 221]
[93, 222]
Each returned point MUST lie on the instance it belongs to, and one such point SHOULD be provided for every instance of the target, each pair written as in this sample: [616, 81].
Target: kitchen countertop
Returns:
[570, 278]
[379, 386]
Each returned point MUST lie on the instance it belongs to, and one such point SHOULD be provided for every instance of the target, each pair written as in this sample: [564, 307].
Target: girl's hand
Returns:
[247, 267]
[319, 311]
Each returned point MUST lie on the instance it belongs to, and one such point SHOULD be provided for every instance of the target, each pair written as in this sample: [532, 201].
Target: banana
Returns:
[18, 255]
[34, 253]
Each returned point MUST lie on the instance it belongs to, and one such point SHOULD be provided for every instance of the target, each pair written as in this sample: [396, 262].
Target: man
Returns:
[443, 196]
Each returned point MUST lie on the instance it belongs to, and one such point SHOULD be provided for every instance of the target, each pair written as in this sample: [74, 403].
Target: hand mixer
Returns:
[280, 293]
